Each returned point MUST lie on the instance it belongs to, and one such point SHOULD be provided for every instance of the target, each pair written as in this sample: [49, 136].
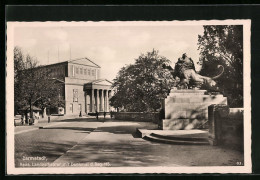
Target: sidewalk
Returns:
[27, 128]
[114, 144]
[43, 122]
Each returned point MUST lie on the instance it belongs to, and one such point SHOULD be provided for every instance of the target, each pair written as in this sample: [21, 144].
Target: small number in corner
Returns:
[239, 163]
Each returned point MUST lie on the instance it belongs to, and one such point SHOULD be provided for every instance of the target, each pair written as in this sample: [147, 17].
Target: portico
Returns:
[97, 95]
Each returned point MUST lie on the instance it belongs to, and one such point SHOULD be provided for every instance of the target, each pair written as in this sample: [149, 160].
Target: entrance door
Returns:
[88, 107]
[80, 108]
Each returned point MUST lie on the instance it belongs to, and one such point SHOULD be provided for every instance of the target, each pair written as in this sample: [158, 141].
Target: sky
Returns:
[109, 46]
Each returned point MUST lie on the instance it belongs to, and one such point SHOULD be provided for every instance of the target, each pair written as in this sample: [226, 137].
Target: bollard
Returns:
[49, 119]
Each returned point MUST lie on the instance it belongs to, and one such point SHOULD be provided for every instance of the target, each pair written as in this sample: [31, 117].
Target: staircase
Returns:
[179, 137]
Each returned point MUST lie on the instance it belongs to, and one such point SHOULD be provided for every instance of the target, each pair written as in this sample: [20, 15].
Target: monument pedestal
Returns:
[188, 109]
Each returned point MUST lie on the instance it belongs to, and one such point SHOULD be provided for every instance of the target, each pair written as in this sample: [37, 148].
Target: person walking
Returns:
[80, 115]
[96, 114]
[105, 115]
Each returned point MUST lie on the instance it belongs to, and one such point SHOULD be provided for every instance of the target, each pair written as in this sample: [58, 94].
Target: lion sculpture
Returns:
[189, 78]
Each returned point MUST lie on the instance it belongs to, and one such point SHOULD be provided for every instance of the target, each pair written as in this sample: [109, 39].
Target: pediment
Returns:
[98, 84]
[102, 82]
[84, 61]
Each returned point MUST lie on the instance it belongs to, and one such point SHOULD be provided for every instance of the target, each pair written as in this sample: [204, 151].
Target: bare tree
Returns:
[33, 84]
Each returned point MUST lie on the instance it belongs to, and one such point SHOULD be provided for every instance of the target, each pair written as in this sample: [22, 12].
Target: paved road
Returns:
[78, 142]
[51, 142]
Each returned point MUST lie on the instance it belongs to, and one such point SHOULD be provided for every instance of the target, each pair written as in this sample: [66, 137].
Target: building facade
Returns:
[81, 87]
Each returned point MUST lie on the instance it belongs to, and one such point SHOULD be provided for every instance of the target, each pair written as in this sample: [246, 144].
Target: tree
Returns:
[141, 86]
[223, 45]
[33, 84]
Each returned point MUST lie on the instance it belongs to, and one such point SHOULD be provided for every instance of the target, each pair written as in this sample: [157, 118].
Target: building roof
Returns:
[98, 84]
[100, 81]
[84, 61]
[81, 61]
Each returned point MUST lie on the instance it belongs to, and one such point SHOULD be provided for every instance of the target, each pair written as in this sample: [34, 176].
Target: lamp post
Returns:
[49, 113]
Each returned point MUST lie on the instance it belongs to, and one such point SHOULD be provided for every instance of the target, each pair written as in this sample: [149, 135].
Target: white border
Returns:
[247, 168]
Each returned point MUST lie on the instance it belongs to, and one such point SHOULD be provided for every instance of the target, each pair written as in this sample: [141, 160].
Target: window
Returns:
[73, 70]
[81, 71]
[71, 108]
[77, 70]
[85, 72]
[89, 72]
[93, 72]
[75, 95]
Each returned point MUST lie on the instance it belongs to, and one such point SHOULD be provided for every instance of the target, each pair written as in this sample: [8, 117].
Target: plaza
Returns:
[109, 142]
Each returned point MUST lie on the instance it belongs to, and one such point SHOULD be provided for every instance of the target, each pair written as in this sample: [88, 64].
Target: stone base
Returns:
[212, 142]
[178, 124]
[188, 108]
[190, 104]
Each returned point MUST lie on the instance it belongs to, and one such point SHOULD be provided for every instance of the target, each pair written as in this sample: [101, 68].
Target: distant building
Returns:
[81, 87]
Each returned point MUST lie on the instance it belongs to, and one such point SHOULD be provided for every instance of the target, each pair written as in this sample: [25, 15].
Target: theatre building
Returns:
[81, 87]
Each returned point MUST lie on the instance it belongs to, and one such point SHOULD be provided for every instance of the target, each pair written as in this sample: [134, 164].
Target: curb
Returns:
[49, 125]
[40, 127]
[24, 131]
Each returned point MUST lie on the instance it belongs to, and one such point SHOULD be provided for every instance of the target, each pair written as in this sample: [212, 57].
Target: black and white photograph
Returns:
[128, 97]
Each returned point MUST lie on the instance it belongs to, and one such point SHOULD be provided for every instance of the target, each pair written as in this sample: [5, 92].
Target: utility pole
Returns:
[49, 112]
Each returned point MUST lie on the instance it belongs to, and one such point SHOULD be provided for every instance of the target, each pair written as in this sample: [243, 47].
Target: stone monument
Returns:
[186, 107]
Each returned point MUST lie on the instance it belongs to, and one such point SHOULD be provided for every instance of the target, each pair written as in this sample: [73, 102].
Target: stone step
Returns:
[183, 124]
[176, 142]
[188, 91]
[201, 137]
[184, 133]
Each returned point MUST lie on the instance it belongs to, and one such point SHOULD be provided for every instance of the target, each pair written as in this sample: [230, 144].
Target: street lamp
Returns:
[49, 113]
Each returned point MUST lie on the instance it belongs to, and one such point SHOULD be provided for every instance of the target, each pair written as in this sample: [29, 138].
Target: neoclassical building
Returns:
[81, 87]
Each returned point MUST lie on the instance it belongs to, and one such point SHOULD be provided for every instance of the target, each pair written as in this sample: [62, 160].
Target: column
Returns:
[92, 101]
[86, 102]
[109, 96]
[107, 102]
[102, 100]
[97, 105]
